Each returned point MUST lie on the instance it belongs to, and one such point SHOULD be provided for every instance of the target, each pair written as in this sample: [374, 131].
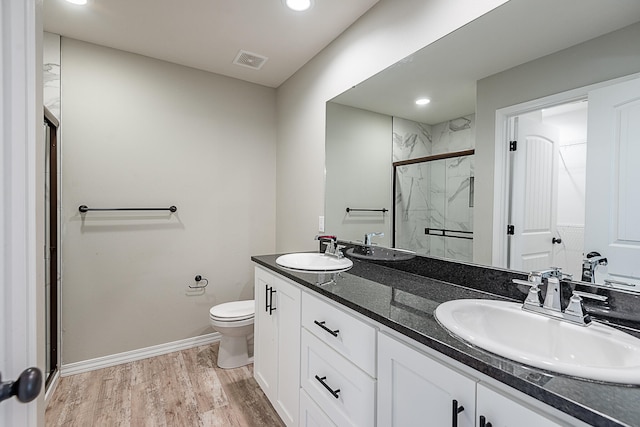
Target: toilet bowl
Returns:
[234, 322]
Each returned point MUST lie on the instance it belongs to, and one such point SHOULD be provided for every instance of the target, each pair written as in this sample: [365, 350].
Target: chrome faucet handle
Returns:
[610, 283]
[575, 310]
[525, 282]
[535, 277]
[590, 296]
[594, 258]
[550, 272]
[533, 297]
[566, 276]
[338, 251]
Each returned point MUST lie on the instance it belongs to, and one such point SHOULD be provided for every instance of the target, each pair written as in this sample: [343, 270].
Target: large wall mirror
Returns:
[446, 179]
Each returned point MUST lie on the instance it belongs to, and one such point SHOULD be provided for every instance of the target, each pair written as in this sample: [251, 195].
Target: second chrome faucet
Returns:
[552, 303]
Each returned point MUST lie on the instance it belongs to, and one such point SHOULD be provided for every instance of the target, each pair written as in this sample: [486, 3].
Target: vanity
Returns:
[363, 348]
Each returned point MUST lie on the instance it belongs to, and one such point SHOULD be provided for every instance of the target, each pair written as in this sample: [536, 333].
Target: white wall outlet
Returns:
[321, 223]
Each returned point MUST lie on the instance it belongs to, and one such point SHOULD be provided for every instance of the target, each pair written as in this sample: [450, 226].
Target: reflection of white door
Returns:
[613, 199]
[534, 195]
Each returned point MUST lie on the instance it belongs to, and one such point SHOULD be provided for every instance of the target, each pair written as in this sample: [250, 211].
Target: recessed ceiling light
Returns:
[299, 5]
[422, 101]
[80, 2]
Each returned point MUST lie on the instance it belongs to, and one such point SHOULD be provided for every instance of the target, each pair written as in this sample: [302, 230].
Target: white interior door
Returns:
[612, 225]
[21, 132]
[534, 195]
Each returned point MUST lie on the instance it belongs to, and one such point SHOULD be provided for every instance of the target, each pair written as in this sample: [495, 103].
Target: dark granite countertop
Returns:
[405, 302]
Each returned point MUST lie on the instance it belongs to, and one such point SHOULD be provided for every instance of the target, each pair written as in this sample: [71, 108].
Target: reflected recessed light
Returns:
[299, 5]
[422, 101]
[80, 2]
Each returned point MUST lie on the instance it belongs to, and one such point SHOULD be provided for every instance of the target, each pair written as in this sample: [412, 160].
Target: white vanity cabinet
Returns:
[322, 364]
[414, 388]
[277, 343]
[500, 410]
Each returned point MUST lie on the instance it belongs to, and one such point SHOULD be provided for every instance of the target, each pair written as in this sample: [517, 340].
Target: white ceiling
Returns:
[512, 34]
[208, 34]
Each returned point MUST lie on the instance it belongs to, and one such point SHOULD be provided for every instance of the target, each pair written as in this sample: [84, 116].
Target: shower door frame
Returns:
[434, 157]
[51, 208]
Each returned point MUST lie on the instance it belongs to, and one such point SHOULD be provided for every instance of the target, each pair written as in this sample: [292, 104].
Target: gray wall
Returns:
[604, 58]
[142, 132]
[358, 173]
[388, 32]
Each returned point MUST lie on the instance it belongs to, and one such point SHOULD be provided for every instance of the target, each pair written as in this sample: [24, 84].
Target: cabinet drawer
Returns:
[310, 413]
[342, 391]
[350, 337]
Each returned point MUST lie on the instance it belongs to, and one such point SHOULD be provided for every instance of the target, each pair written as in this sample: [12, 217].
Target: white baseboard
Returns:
[133, 355]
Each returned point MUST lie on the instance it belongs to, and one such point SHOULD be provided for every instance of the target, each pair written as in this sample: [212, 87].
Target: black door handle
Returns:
[269, 291]
[455, 410]
[333, 392]
[271, 307]
[26, 388]
[332, 332]
[483, 422]
[556, 240]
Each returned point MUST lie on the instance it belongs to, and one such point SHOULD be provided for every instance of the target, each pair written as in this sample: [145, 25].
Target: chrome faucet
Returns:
[553, 297]
[552, 305]
[368, 236]
[589, 265]
[333, 249]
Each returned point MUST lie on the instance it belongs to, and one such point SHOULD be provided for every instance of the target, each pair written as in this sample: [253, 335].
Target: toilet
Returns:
[234, 321]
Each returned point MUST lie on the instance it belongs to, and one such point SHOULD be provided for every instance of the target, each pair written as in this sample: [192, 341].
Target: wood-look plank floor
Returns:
[184, 388]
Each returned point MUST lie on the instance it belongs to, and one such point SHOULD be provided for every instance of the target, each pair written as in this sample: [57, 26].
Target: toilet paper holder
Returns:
[198, 280]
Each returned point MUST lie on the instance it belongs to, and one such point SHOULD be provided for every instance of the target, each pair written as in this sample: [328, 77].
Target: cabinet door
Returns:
[265, 351]
[414, 389]
[286, 310]
[502, 411]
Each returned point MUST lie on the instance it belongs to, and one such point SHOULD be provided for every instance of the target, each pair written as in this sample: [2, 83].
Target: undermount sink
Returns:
[314, 262]
[377, 253]
[596, 352]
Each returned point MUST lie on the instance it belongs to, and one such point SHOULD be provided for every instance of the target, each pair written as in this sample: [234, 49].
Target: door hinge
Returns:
[513, 145]
[511, 230]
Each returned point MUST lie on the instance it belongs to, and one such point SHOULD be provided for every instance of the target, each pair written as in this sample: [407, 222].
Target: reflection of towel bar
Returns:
[84, 208]
[444, 233]
[383, 210]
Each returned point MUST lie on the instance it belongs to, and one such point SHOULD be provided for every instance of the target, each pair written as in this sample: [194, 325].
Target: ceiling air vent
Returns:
[250, 60]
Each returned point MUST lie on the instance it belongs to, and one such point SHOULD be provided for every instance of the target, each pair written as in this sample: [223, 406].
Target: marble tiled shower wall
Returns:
[434, 194]
[51, 73]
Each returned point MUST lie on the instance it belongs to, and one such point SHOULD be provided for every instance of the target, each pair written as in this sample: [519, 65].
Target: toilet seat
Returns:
[234, 311]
